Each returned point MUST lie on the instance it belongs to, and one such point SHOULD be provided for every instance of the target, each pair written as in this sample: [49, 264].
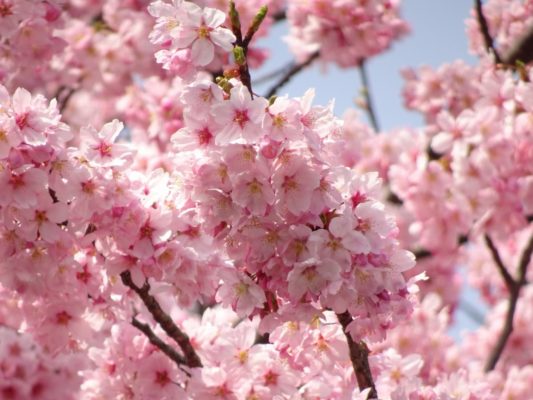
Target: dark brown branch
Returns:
[369, 106]
[359, 356]
[505, 333]
[522, 51]
[157, 342]
[424, 253]
[508, 279]
[497, 351]
[524, 262]
[63, 95]
[484, 27]
[171, 329]
[290, 73]
[279, 16]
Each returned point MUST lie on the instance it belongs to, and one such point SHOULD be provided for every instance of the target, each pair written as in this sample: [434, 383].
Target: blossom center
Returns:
[204, 137]
[289, 184]
[104, 149]
[88, 187]
[203, 32]
[22, 120]
[271, 378]
[279, 121]
[254, 187]
[63, 318]
[241, 118]
[40, 216]
[16, 181]
[5, 10]
[146, 231]
[241, 289]
[161, 378]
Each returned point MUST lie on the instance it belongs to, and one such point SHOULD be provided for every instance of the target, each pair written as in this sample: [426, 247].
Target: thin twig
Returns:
[162, 318]
[508, 279]
[63, 95]
[359, 357]
[505, 333]
[484, 27]
[368, 98]
[273, 74]
[244, 71]
[497, 351]
[524, 262]
[157, 342]
[296, 68]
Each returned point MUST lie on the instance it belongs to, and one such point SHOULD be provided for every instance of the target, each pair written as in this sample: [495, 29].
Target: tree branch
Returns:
[296, 68]
[162, 318]
[157, 342]
[497, 351]
[508, 279]
[484, 27]
[359, 356]
[369, 106]
[273, 74]
[522, 50]
[524, 262]
[63, 95]
[279, 16]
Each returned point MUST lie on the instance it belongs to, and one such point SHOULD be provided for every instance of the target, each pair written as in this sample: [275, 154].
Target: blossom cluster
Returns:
[343, 32]
[27, 372]
[272, 235]
[507, 20]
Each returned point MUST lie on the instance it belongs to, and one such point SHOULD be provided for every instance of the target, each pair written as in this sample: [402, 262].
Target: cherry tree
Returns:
[169, 233]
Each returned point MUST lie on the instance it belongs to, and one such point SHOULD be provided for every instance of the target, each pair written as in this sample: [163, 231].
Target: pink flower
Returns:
[294, 184]
[101, 148]
[9, 135]
[44, 218]
[203, 29]
[253, 192]
[33, 117]
[22, 186]
[240, 117]
[187, 25]
[313, 276]
[239, 291]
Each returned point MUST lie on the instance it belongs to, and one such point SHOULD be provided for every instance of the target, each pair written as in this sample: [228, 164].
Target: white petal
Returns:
[202, 52]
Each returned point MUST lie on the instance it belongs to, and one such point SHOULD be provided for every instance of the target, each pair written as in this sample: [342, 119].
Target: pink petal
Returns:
[202, 52]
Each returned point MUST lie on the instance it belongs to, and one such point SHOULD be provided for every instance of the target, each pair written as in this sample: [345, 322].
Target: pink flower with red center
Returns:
[239, 291]
[197, 134]
[240, 117]
[22, 186]
[190, 26]
[294, 184]
[100, 147]
[43, 219]
[313, 276]
[253, 192]
[33, 118]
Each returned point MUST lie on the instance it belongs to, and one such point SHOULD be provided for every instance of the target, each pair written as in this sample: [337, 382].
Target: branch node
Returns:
[163, 319]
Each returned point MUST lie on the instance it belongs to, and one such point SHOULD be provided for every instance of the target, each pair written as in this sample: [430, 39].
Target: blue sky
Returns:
[437, 37]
